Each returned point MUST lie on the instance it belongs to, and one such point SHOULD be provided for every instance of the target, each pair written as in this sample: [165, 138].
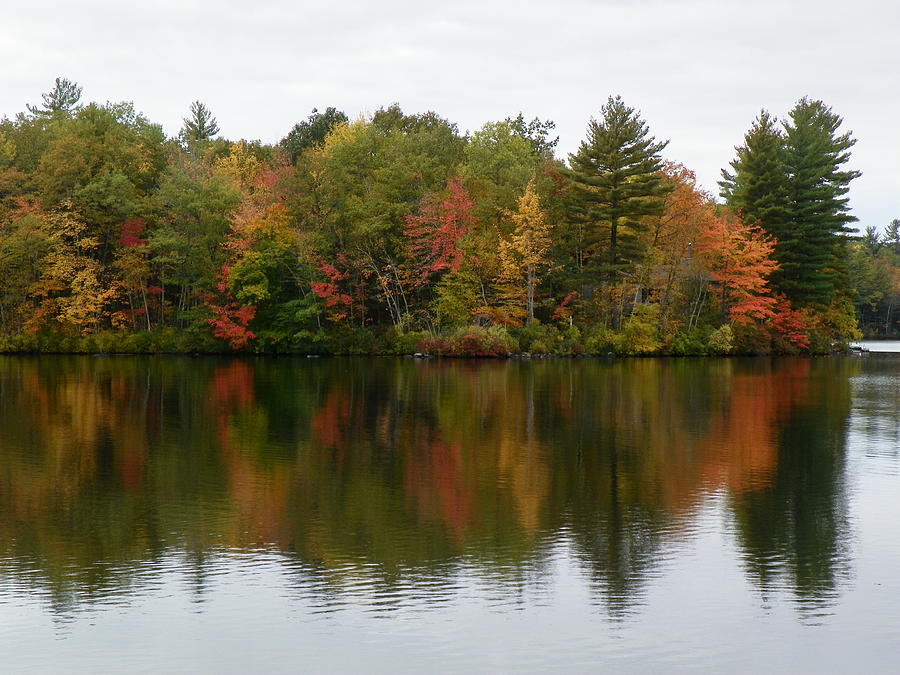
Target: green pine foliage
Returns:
[758, 186]
[813, 259]
[788, 179]
[616, 174]
[200, 127]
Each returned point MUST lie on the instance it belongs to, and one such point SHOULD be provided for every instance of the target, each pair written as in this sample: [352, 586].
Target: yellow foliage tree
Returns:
[240, 167]
[523, 256]
[71, 281]
[7, 149]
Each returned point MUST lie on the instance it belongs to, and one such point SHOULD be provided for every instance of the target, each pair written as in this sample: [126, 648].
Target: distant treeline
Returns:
[396, 233]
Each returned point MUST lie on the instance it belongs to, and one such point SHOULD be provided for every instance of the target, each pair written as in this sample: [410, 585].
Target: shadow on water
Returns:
[387, 479]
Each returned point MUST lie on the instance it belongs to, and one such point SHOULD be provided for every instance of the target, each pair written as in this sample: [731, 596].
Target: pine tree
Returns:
[617, 175]
[790, 183]
[812, 252]
[759, 187]
[200, 126]
[61, 100]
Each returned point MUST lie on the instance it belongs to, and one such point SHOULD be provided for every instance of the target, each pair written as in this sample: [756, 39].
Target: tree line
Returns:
[396, 233]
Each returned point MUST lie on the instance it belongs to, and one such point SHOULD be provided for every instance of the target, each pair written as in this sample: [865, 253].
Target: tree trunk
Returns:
[530, 292]
[146, 308]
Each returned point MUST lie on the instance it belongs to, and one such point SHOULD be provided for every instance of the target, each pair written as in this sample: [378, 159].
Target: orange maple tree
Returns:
[739, 258]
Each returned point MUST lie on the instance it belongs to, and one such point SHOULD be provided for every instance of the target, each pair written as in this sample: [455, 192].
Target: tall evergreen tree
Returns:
[62, 99]
[789, 181]
[200, 126]
[759, 186]
[892, 236]
[616, 174]
[813, 251]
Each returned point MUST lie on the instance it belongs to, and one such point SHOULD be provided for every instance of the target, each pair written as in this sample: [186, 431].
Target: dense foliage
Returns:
[396, 233]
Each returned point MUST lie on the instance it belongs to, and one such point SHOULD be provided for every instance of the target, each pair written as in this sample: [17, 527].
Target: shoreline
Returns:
[478, 345]
[521, 356]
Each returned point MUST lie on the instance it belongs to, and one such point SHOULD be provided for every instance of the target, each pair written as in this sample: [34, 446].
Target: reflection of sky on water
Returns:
[262, 612]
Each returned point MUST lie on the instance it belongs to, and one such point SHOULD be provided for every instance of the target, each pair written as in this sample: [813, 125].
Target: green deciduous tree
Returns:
[873, 269]
[498, 164]
[24, 243]
[312, 131]
[98, 141]
[193, 217]
[355, 191]
[537, 132]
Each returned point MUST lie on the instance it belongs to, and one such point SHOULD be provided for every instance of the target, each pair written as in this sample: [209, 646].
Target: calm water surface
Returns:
[177, 515]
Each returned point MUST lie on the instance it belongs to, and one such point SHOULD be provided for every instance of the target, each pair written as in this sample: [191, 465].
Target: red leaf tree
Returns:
[230, 319]
[433, 234]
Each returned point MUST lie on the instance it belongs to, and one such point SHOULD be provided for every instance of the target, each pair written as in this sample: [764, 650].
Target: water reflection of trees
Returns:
[793, 528]
[393, 468]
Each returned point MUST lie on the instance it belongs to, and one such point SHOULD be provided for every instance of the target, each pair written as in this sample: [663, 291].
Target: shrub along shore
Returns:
[533, 340]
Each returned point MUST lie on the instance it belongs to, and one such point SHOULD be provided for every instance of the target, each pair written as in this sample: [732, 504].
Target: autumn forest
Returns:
[396, 233]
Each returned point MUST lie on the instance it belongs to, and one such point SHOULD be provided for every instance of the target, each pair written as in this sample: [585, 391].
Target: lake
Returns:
[212, 515]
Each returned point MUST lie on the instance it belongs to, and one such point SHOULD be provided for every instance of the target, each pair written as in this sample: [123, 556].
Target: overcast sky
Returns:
[699, 71]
